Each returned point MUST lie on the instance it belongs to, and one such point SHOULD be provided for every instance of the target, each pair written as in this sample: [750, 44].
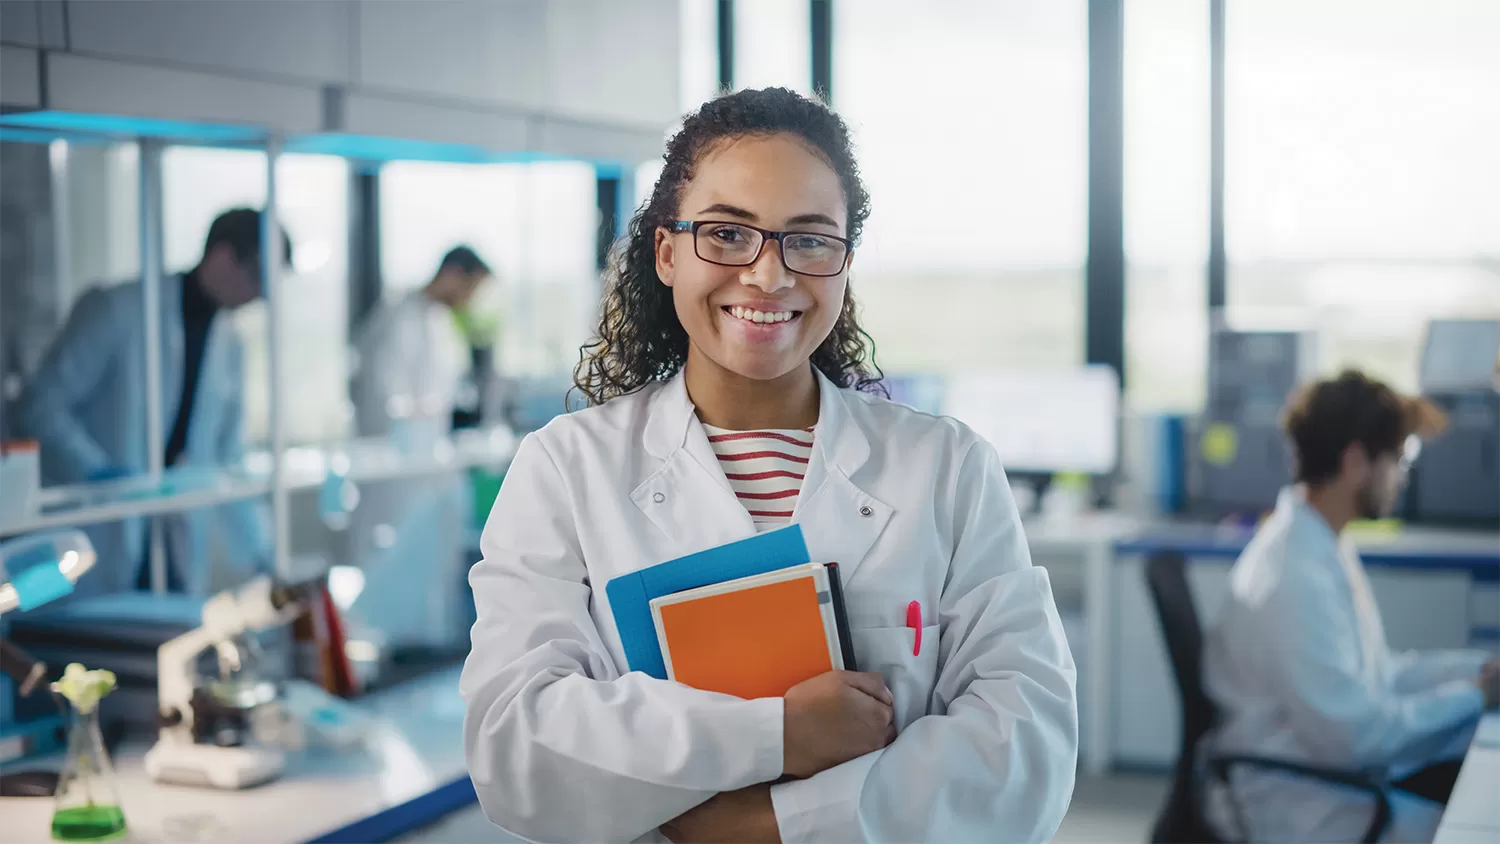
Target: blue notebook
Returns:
[630, 594]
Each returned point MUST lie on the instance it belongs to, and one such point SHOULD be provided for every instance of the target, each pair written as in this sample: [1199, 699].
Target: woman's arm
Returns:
[560, 746]
[995, 762]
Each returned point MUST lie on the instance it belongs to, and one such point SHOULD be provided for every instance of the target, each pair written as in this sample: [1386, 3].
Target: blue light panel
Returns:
[123, 126]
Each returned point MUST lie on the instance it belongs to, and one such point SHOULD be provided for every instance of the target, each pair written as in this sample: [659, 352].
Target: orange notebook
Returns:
[756, 636]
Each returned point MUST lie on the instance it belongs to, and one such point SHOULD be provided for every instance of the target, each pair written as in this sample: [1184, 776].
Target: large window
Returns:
[773, 44]
[1361, 171]
[970, 120]
[312, 202]
[534, 224]
[1166, 202]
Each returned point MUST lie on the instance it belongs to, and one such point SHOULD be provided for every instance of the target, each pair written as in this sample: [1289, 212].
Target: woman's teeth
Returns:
[761, 316]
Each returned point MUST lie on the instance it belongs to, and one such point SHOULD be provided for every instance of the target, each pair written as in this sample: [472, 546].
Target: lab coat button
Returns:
[866, 511]
[659, 498]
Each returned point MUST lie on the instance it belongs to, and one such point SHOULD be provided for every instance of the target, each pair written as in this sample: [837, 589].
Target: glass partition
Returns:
[200, 183]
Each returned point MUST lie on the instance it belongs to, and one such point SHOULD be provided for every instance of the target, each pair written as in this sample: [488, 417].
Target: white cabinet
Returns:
[305, 40]
[483, 51]
[20, 77]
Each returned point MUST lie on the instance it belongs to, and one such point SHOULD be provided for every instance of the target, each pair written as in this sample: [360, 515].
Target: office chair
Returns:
[1182, 819]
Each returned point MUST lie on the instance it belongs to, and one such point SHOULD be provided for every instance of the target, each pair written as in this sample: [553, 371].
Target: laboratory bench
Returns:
[408, 772]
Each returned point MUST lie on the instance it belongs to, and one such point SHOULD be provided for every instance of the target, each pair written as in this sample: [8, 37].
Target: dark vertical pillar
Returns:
[822, 49]
[1104, 276]
[726, 45]
[607, 189]
[1218, 263]
[364, 244]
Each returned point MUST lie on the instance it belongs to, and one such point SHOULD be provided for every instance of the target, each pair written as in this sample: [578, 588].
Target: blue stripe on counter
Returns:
[413, 814]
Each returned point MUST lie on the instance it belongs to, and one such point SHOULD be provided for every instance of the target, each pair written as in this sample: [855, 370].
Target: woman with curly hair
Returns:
[733, 391]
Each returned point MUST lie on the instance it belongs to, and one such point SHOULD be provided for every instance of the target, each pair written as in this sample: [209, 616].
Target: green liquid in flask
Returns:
[88, 823]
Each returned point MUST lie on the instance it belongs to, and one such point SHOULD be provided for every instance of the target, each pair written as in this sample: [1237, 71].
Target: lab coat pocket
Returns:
[910, 676]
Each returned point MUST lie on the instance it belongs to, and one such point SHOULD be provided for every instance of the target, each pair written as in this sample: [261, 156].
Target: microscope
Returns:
[204, 739]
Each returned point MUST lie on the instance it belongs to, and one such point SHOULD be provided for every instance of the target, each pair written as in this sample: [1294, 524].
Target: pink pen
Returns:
[914, 621]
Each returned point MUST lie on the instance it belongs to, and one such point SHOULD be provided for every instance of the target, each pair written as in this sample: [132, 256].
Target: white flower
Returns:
[84, 688]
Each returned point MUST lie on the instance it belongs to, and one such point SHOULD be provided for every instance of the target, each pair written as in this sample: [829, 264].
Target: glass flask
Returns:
[86, 806]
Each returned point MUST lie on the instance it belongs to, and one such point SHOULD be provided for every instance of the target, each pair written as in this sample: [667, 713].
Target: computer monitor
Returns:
[1460, 354]
[1043, 422]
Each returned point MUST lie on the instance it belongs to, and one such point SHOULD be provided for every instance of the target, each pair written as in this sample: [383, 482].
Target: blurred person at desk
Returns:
[85, 404]
[733, 392]
[413, 353]
[1298, 663]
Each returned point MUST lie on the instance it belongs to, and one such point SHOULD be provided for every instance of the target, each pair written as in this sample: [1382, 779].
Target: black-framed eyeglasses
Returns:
[740, 245]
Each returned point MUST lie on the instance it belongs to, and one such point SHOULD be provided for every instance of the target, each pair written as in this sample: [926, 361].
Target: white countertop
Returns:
[416, 748]
[1473, 812]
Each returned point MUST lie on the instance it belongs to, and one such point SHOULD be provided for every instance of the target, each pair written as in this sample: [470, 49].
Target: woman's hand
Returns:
[745, 816]
[834, 717]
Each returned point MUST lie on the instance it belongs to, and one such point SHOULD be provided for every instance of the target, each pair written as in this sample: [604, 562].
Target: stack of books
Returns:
[750, 619]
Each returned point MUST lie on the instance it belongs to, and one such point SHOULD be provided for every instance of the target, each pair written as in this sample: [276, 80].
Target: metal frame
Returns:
[272, 258]
[152, 274]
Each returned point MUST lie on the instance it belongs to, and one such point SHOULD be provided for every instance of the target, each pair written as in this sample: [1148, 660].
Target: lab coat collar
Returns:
[1292, 503]
[692, 502]
[838, 441]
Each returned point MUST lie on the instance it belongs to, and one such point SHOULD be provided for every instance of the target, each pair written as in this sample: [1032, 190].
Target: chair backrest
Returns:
[1166, 577]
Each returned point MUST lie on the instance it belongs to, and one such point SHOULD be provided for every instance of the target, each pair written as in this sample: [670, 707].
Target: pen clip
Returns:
[914, 621]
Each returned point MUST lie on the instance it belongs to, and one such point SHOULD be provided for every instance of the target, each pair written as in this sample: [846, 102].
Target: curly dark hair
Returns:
[1324, 418]
[639, 338]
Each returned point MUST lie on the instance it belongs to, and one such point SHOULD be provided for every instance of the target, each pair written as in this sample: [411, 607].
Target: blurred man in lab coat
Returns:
[1298, 663]
[411, 351]
[85, 404]
[407, 534]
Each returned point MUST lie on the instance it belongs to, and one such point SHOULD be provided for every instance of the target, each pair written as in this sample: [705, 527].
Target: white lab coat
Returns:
[407, 535]
[1299, 667]
[85, 404]
[564, 745]
[411, 357]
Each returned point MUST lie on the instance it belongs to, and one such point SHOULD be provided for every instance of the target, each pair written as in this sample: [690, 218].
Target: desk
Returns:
[411, 773]
[1473, 813]
[1090, 538]
[1475, 552]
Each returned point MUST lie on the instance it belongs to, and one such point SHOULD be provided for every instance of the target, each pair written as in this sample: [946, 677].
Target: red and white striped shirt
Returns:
[765, 469]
